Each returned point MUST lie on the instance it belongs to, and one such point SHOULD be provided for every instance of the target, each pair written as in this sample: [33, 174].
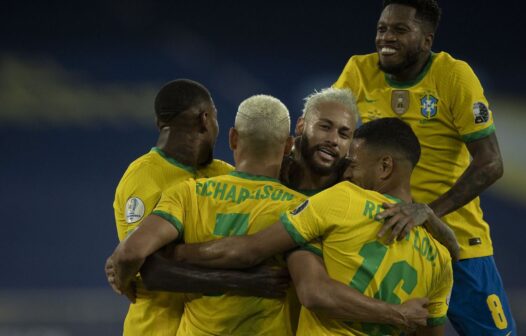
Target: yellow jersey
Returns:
[343, 217]
[446, 108]
[153, 313]
[234, 204]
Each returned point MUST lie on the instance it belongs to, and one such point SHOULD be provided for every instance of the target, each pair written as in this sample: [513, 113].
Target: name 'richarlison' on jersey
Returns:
[237, 194]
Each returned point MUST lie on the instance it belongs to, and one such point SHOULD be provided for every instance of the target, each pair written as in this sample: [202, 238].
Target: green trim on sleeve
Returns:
[174, 221]
[294, 234]
[313, 249]
[436, 321]
[478, 134]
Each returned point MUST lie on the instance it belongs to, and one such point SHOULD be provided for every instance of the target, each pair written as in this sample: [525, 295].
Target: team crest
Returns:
[134, 210]
[428, 106]
[300, 208]
[480, 112]
[400, 101]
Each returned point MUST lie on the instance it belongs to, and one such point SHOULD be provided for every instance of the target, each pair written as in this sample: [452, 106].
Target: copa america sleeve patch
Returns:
[480, 112]
[134, 210]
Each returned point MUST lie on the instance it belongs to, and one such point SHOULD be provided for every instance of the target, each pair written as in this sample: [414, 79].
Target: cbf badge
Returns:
[400, 101]
[134, 210]
[428, 106]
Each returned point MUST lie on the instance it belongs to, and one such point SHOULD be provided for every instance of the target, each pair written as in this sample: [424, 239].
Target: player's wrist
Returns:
[395, 315]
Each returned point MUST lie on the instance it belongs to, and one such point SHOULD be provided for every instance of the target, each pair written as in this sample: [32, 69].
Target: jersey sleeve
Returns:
[350, 77]
[439, 299]
[173, 203]
[135, 198]
[471, 114]
[312, 218]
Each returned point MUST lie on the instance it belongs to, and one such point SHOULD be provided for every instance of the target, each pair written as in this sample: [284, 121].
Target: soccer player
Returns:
[187, 121]
[441, 98]
[244, 202]
[343, 219]
[324, 133]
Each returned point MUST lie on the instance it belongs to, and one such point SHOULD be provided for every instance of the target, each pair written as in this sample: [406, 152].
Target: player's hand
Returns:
[414, 313]
[269, 281]
[401, 218]
[119, 285]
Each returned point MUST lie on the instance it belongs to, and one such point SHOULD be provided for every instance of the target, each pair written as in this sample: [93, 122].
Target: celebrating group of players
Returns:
[334, 205]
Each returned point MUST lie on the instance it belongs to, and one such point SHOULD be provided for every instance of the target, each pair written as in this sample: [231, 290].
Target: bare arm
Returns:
[430, 331]
[323, 295]
[162, 273]
[485, 168]
[125, 262]
[237, 251]
[401, 218]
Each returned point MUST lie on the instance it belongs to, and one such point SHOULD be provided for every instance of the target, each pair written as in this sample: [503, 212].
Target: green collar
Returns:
[392, 198]
[413, 82]
[253, 177]
[173, 161]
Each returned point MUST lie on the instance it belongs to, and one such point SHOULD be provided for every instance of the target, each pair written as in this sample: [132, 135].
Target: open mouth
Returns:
[326, 154]
[387, 51]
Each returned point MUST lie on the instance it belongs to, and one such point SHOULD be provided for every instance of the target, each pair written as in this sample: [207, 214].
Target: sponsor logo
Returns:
[300, 208]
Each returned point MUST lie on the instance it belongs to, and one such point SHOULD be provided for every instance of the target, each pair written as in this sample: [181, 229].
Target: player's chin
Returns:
[325, 168]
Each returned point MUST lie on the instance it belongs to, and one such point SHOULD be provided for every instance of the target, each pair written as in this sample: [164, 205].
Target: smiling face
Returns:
[326, 136]
[402, 40]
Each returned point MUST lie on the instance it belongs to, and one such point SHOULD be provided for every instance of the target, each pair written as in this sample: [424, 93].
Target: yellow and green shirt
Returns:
[154, 313]
[343, 217]
[446, 108]
[229, 205]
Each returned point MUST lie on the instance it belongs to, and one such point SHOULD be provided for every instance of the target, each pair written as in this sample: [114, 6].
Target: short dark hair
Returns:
[426, 10]
[178, 96]
[391, 133]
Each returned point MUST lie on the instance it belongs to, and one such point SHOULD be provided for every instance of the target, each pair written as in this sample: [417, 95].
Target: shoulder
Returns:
[362, 62]
[444, 63]
[215, 168]
[145, 168]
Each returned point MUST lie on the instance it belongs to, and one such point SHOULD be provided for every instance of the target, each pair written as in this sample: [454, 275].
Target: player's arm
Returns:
[153, 233]
[485, 168]
[160, 272]
[237, 251]
[402, 217]
[323, 295]
[430, 331]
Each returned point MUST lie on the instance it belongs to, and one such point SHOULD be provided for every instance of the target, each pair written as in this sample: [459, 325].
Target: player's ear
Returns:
[386, 167]
[428, 41]
[300, 124]
[232, 138]
[288, 145]
[203, 120]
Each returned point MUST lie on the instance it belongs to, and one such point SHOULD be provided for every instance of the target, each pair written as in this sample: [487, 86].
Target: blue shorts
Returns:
[478, 305]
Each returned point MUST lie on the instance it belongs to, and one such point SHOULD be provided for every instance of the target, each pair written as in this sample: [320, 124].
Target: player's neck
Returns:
[258, 167]
[185, 152]
[411, 73]
[314, 181]
[396, 189]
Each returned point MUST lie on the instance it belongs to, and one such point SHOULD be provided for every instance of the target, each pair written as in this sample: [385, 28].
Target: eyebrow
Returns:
[332, 123]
